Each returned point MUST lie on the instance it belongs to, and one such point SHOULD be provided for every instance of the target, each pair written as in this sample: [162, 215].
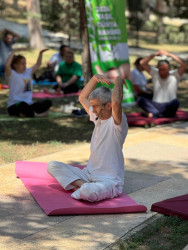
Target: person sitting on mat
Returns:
[68, 76]
[20, 87]
[139, 81]
[103, 177]
[53, 65]
[164, 102]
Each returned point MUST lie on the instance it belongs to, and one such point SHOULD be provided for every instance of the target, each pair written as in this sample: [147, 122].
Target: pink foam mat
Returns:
[54, 200]
[176, 206]
[137, 119]
[45, 95]
[4, 86]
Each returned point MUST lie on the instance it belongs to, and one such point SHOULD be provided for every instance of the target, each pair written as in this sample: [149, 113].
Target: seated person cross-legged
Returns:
[103, 178]
[19, 79]
[68, 76]
[164, 102]
[139, 81]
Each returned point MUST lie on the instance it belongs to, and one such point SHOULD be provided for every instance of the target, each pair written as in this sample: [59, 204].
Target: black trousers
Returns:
[73, 88]
[29, 110]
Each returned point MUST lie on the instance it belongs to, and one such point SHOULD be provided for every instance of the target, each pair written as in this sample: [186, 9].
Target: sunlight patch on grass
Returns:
[10, 152]
[32, 55]
[169, 47]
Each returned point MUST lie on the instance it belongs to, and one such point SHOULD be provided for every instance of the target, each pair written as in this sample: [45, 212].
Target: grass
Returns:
[26, 139]
[167, 233]
[29, 138]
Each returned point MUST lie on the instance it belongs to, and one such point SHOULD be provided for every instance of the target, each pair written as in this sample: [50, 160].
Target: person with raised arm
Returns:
[165, 81]
[19, 79]
[103, 177]
[8, 38]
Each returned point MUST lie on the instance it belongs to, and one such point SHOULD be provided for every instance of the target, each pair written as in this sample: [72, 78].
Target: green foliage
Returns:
[61, 15]
[150, 26]
[2, 5]
[174, 35]
[177, 8]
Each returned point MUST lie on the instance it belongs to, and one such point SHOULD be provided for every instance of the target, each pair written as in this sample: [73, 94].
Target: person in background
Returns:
[8, 39]
[68, 76]
[103, 178]
[57, 58]
[53, 65]
[19, 79]
[164, 102]
[140, 81]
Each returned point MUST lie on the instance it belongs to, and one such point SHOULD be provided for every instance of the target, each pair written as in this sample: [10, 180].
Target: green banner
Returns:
[107, 33]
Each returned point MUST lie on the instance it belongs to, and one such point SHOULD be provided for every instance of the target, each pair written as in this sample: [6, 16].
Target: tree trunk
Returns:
[15, 4]
[161, 10]
[86, 60]
[34, 27]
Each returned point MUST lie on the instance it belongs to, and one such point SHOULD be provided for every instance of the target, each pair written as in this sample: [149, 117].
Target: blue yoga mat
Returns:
[44, 83]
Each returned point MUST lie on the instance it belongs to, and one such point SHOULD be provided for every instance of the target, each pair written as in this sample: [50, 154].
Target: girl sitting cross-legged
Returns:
[20, 87]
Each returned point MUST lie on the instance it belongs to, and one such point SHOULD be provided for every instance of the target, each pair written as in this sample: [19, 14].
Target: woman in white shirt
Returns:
[20, 87]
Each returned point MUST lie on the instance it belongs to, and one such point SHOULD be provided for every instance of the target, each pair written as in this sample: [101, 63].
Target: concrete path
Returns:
[156, 164]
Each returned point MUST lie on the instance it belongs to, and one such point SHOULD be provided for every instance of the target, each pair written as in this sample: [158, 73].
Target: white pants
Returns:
[96, 188]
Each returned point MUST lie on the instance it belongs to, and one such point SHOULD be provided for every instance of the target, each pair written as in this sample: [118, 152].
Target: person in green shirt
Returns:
[68, 76]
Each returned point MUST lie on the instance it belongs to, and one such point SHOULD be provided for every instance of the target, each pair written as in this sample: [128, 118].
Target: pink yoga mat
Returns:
[44, 95]
[136, 119]
[4, 86]
[54, 200]
[177, 206]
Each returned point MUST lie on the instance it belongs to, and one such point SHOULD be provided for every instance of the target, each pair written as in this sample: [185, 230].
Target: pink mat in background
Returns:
[54, 200]
[136, 119]
[44, 95]
[177, 206]
[4, 86]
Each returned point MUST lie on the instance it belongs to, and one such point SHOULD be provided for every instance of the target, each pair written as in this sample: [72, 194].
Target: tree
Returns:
[136, 19]
[161, 10]
[62, 15]
[51, 11]
[86, 60]
[34, 27]
[177, 8]
[15, 4]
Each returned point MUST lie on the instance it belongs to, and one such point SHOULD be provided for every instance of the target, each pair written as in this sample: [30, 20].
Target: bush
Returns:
[150, 26]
